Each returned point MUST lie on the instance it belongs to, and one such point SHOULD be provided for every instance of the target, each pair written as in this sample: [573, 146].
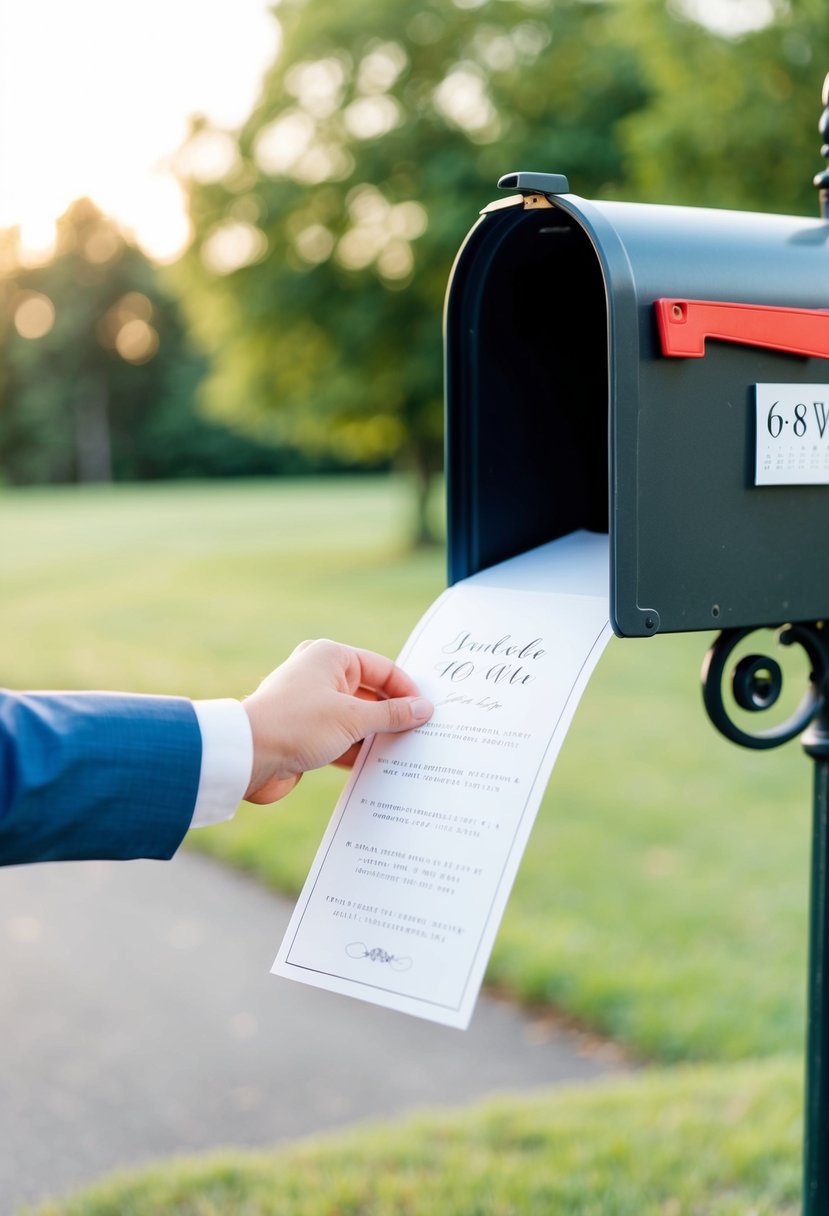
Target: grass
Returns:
[662, 898]
[684, 1142]
[198, 588]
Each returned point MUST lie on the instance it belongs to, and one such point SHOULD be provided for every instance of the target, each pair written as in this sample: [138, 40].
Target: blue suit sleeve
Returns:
[95, 775]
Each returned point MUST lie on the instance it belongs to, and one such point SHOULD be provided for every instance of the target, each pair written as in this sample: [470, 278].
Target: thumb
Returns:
[396, 714]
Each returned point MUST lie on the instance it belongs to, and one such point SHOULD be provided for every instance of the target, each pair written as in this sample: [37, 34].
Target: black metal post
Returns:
[821, 180]
[756, 682]
[816, 1134]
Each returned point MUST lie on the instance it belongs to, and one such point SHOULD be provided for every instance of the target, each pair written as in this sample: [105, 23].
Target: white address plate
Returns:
[792, 435]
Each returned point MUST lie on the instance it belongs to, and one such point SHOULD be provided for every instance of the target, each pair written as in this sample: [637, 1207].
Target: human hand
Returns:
[318, 706]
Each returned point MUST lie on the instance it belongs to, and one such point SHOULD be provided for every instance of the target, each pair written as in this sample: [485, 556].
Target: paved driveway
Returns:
[138, 1020]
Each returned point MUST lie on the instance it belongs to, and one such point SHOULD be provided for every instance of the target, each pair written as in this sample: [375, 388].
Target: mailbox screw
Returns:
[677, 312]
[715, 610]
[650, 623]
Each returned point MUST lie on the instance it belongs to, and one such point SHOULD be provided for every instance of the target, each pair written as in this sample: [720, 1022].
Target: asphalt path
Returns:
[139, 1021]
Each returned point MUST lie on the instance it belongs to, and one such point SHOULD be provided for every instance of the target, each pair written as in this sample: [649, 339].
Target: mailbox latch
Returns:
[535, 183]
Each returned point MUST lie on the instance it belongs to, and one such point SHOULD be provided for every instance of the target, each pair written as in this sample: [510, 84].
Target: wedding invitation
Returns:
[409, 885]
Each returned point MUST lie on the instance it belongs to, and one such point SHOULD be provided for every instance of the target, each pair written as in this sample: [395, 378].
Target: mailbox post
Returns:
[662, 374]
[756, 684]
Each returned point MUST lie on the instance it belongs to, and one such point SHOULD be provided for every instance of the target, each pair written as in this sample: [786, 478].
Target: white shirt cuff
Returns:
[226, 760]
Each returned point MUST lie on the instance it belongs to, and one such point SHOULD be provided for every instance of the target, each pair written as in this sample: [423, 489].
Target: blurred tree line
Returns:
[98, 375]
[309, 303]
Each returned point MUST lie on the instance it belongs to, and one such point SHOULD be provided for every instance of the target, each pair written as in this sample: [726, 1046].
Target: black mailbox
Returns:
[658, 373]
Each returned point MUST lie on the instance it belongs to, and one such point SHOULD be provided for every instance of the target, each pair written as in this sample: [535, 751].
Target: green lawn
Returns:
[685, 1142]
[662, 898]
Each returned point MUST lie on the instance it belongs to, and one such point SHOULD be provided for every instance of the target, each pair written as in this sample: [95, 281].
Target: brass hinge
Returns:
[535, 201]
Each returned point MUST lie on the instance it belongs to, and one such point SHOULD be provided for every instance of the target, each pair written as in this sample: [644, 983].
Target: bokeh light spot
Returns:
[100, 244]
[279, 145]
[370, 117]
[135, 305]
[314, 244]
[462, 98]
[232, 245]
[208, 156]
[380, 68]
[38, 241]
[137, 341]
[317, 85]
[408, 219]
[396, 260]
[34, 315]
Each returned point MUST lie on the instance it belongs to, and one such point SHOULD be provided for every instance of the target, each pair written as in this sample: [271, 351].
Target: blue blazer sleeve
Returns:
[95, 775]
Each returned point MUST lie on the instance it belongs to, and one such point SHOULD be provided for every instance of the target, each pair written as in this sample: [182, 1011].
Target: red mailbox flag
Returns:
[685, 324]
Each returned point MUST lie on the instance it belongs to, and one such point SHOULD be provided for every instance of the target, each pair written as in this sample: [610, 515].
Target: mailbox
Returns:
[658, 373]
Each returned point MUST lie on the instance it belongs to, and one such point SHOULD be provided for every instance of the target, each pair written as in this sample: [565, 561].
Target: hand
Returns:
[318, 706]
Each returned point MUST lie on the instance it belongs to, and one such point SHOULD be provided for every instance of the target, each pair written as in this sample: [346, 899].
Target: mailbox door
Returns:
[526, 387]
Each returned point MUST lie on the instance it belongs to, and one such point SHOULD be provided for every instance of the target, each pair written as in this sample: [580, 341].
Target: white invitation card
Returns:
[412, 877]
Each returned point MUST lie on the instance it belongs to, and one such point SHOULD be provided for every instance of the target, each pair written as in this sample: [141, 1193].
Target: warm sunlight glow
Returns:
[314, 244]
[280, 145]
[731, 18]
[462, 98]
[38, 237]
[126, 328]
[380, 233]
[232, 245]
[100, 244]
[34, 315]
[96, 97]
[370, 117]
[136, 341]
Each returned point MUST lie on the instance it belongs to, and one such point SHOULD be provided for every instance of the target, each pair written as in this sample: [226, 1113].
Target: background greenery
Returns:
[663, 895]
[306, 312]
[687, 1143]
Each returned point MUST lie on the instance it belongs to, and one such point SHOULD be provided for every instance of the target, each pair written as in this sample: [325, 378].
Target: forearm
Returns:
[109, 775]
[95, 775]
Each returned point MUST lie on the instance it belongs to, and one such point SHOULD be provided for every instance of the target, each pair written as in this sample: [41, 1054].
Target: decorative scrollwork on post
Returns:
[757, 682]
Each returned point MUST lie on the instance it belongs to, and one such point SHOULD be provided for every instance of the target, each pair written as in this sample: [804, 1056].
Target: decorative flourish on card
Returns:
[376, 955]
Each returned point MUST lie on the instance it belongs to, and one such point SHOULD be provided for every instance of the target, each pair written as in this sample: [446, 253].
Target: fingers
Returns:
[272, 790]
[359, 667]
[347, 759]
[397, 714]
[392, 717]
[318, 705]
[382, 674]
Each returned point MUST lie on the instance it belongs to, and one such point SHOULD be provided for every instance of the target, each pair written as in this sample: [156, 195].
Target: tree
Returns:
[324, 241]
[99, 377]
[732, 120]
[326, 230]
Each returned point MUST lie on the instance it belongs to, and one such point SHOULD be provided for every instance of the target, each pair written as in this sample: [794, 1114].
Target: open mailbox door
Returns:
[659, 373]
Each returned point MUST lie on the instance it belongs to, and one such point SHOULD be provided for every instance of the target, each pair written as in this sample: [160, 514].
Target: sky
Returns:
[95, 97]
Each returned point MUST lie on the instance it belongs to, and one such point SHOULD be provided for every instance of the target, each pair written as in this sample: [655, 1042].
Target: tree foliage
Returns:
[322, 253]
[731, 121]
[326, 230]
[99, 376]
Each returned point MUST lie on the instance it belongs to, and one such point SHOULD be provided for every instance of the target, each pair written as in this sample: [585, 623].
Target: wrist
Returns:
[271, 776]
